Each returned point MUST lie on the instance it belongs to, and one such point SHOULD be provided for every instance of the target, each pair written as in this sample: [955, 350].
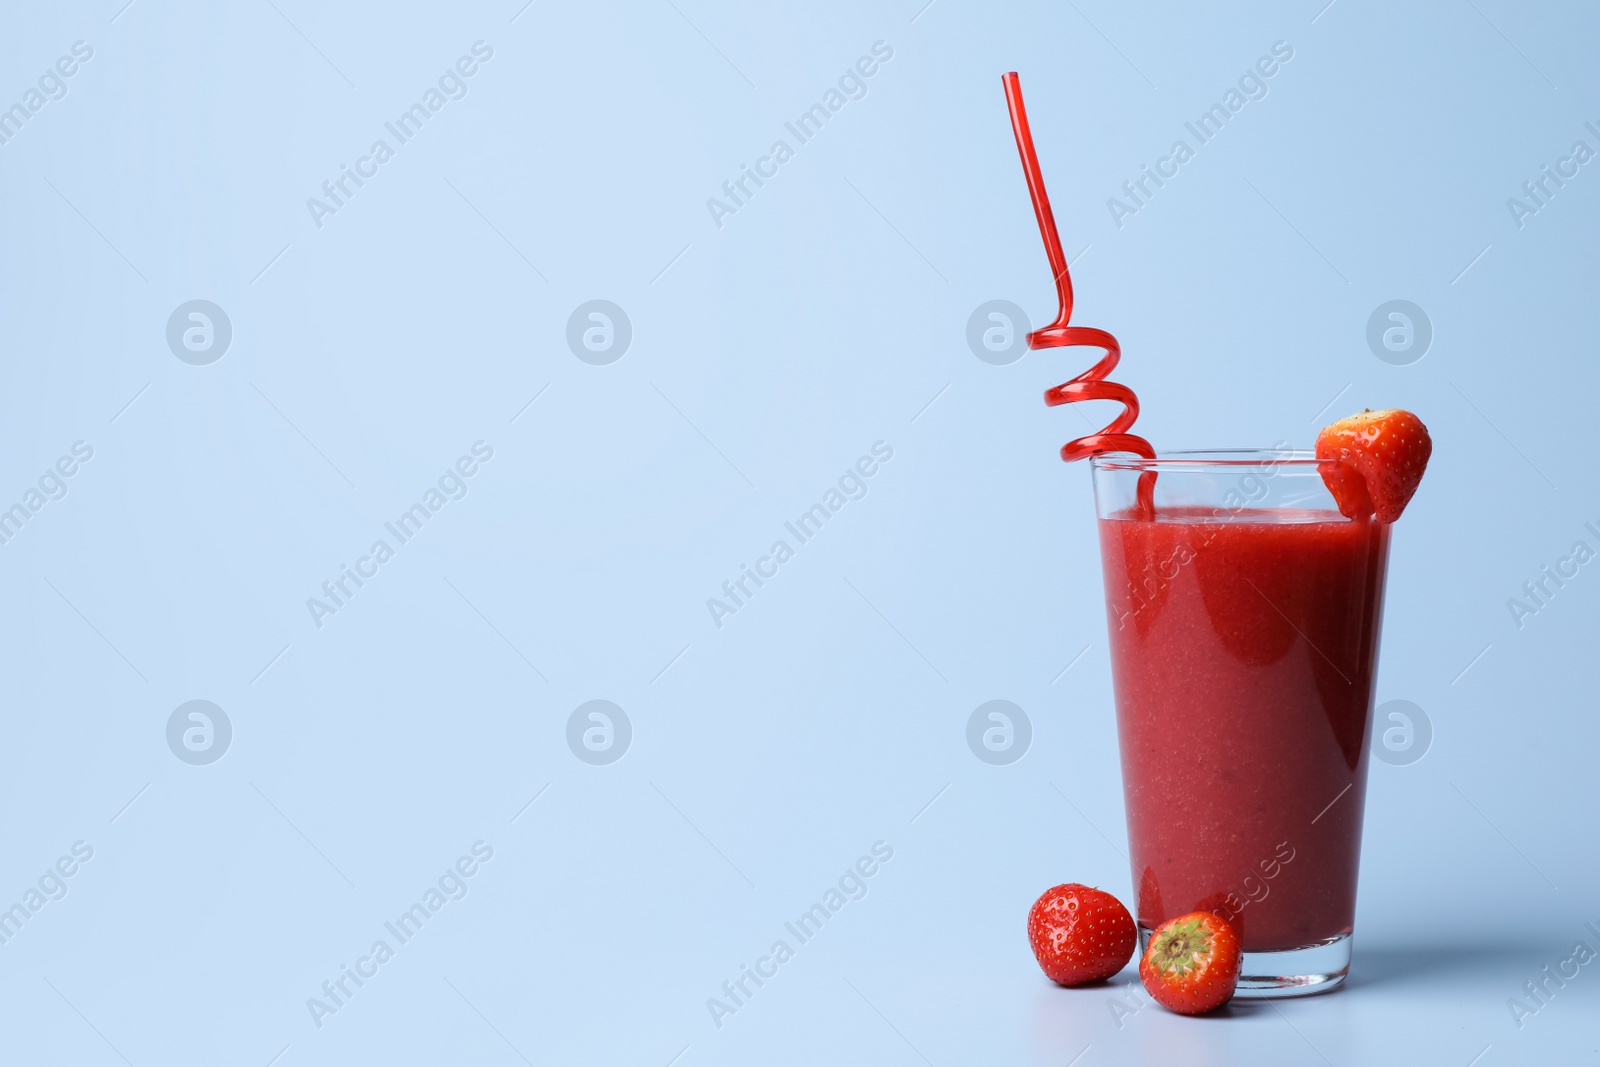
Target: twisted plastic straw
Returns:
[1092, 383]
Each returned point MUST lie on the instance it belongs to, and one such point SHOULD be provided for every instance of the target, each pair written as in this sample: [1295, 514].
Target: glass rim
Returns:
[1204, 459]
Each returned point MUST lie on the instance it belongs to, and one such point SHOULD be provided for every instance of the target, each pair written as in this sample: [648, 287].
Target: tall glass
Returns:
[1244, 619]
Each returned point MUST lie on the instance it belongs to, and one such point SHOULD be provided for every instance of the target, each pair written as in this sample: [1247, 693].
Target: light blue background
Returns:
[768, 354]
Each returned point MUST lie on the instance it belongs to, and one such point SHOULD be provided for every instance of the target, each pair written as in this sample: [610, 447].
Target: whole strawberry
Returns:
[1080, 934]
[1381, 455]
[1192, 963]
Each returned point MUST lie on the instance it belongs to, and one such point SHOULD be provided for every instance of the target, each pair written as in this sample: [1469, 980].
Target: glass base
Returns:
[1291, 972]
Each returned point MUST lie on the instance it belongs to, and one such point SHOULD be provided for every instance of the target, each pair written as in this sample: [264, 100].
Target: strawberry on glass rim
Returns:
[1381, 456]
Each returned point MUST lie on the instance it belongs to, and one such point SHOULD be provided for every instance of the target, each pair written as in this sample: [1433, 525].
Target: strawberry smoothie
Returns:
[1243, 649]
[1244, 644]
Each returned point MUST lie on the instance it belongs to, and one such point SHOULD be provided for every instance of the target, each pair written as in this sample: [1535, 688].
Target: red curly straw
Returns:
[1091, 384]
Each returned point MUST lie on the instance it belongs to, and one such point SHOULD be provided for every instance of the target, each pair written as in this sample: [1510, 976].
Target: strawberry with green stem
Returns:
[1191, 965]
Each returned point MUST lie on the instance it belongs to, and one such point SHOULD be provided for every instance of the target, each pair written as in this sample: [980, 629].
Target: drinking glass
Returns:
[1244, 615]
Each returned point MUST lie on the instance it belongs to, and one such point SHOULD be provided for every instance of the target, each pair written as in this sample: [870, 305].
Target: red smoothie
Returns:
[1243, 651]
